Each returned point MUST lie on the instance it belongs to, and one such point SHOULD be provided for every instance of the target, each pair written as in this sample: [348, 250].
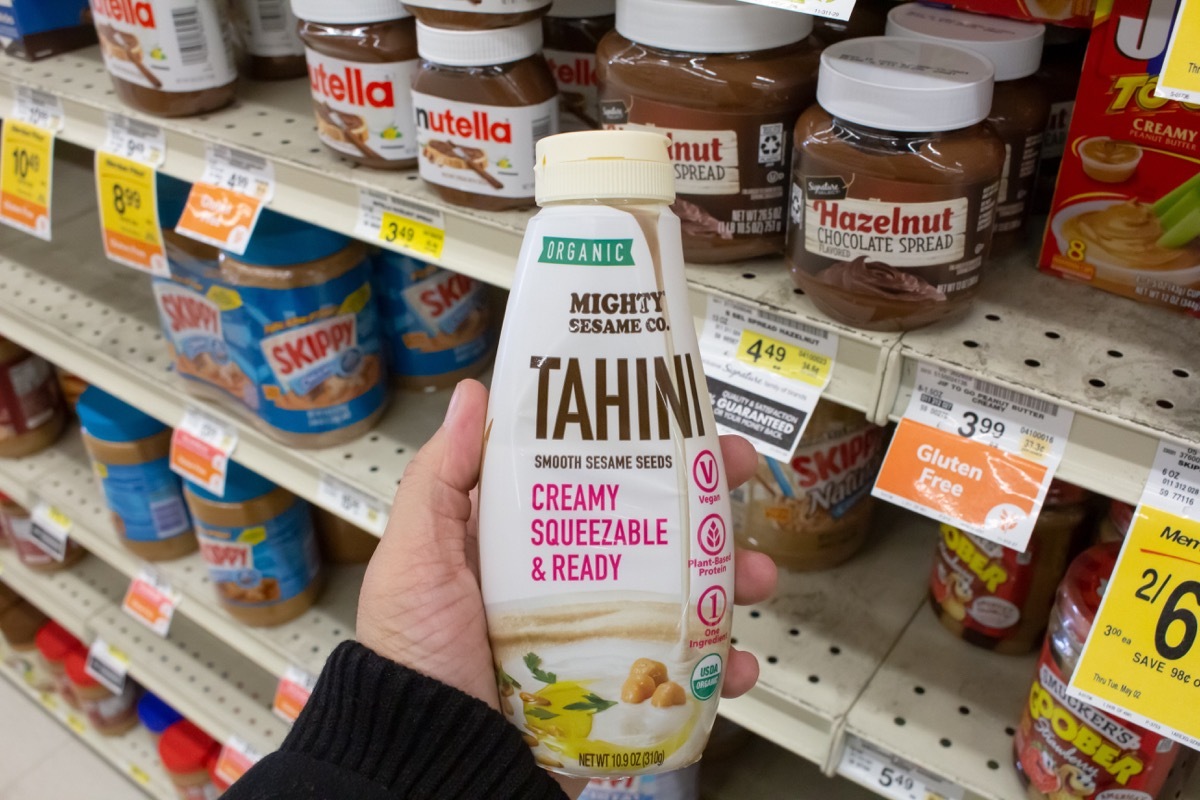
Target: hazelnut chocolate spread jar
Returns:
[482, 100]
[573, 30]
[476, 15]
[170, 58]
[1020, 106]
[362, 56]
[894, 183]
[725, 80]
[273, 48]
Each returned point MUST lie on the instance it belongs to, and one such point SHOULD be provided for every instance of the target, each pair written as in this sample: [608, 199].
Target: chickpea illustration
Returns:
[655, 670]
[668, 694]
[531, 741]
[637, 689]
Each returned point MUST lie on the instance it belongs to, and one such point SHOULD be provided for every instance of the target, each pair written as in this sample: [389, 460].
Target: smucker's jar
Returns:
[268, 31]
[54, 644]
[894, 183]
[573, 30]
[32, 414]
[1020, 105]
[725, 80]
[482, 100]
[362, 56]
[110, 714]
[185, 752]
[476, 15]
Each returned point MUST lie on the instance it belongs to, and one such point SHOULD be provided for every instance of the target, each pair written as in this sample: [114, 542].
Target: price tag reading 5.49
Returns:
[1142, 659]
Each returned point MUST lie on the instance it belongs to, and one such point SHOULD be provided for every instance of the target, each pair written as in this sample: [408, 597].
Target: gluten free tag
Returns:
[200, 449]
[1141, 661]
[401, 224]
[349, 503]
[223, 206]
[108, 665]
[292, 693]
[831, 9]
[974, 455]
[236, 758]
[129, 213]
[50, 530]
[151, 601]
[765, 373]
[892, 777]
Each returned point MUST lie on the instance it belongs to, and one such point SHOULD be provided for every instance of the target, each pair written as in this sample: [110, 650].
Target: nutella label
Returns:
[903, 234]
[980, 584]
[364, 109]
[167, 45]
[268, 28]
[578, 88]
[479, 148]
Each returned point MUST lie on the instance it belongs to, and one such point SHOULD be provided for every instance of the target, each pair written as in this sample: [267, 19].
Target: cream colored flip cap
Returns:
[604, 165]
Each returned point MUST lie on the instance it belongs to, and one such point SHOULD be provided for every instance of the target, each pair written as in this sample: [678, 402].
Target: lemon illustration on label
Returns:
[504, 163]
[391, 132]
[158, 55]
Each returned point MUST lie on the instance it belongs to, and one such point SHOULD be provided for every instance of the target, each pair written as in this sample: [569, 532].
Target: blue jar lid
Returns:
[156, 715]
[241, 485]
[282, 241]
[111, 420]
[172, 197]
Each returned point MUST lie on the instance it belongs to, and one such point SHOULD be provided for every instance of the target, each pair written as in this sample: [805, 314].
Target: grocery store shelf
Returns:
[72, 597]
[762, 770]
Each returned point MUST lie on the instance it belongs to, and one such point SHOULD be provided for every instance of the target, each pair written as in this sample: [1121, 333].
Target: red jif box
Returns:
[1126, 212]
[1069, 13]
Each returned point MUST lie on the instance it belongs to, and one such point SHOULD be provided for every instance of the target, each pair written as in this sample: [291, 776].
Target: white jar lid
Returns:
[347, 12]
[604, 165]
[907, 85]
[578, 9]
[710, 26]
[1014, 48]
[480, 48]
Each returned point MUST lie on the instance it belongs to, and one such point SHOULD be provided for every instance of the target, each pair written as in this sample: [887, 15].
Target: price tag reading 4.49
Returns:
[890, 776]
[974, 455]
[400, 224]
[1142, 658]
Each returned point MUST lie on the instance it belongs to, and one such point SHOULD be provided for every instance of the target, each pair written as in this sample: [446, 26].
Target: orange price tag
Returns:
[295, 687]
[200, 449]
[151, 601]
[223, 206]
[236, 758]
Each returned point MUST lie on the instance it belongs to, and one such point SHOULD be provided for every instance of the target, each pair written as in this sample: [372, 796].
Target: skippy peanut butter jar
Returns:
[605, 544]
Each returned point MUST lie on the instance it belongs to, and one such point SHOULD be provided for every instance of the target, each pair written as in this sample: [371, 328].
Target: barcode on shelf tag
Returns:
[236, 758]
[50, 530]
[400, 224]
[200, 449]
[292, 693]
[108, 665]
[765, 373]
[890, 776]
[223, 206]
[974, 455]
[349, 503]
[831, 9]
[151, 601]
[40, 109]
[136, 140]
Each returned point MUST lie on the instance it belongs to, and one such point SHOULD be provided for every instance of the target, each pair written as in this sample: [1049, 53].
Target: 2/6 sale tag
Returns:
[108, 665]
[401, 224]
[236, 758]
[349, 503]
[974, 455]
[126, 192]
[200, 449]
[151, 601]
[292, 693]
[765, 373]
[1142, 657]
[50, 530]
[223, 206]
[832, 9]
[892, 777]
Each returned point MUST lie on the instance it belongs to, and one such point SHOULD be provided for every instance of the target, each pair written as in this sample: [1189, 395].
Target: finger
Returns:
[740, 459]
[754, 577]
[741, 673]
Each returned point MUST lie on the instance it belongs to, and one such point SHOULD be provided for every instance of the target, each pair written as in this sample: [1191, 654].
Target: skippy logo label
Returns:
[231, 556]
[902, 234]
[192, 321]
[364, 109]
[263, 564]
[445, 301]
[305, 357]
[835, 475]
[605, 532]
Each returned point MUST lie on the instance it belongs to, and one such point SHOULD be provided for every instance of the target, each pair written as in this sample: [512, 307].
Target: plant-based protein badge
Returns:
[606, 546]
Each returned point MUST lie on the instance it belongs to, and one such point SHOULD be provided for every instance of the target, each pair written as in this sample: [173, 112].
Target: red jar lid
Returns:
[55, 642]
[184, 748]
[76, 663]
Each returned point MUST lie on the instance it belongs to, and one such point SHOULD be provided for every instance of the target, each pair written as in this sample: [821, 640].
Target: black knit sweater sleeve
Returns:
[376, 730]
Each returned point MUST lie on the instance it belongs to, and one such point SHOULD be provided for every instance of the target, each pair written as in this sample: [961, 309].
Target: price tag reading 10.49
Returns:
[1142, 658]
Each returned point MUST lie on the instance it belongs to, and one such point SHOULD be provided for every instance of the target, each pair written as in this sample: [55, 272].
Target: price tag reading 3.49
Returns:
[401, 224]
[1142, 658]
[974, 455]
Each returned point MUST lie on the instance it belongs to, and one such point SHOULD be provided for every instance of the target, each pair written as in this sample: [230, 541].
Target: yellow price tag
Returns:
[76, 724]
[140, 775]
[25, 177]
[128, 213]
[1180, 75]
[418, 237]
[783, 358]
[1144, 651]
[59, 518]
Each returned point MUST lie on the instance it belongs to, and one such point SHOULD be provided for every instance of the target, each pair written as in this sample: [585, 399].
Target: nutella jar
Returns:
[482, 100]
[725, 80]
[170, 58]
[362, 56]
[894, 183]
[1020, 107]
[476, 15]
[273, 48]
[998, 598]
[32, 414]
[573, 30]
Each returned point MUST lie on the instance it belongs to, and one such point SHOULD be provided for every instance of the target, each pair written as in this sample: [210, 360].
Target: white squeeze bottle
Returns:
[606, 549]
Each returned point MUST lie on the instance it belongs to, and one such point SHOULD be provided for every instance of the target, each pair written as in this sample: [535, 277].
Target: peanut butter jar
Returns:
[894, 183]
[19, 625]
[32, 414]
[186, 752]
[342, 542]
[476, 15]
[483, 99]
[573, 30]
[1020, 106]
[725, 80]
[362, 57]
[110, 714]
[273, 50]
[170, 58]
[19, 527]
